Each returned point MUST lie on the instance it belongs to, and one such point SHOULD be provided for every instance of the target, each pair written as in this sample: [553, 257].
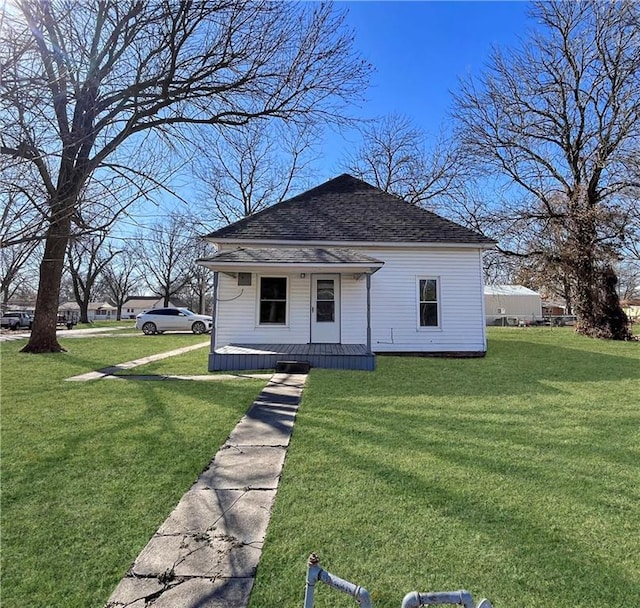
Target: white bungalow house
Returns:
[339, 273]
[96, 311]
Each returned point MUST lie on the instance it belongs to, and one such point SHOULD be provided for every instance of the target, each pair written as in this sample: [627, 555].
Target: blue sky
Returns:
[419, 51]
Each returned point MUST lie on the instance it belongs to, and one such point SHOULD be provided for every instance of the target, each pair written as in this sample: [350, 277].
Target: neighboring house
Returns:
[632, 309]
[135, 305]
[511, 304]
[339, 273]
[23, 305]
[553, 309]
[96, 311]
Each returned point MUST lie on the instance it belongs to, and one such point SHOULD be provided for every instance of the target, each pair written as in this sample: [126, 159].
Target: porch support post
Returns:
[214, 311]
[368, 312]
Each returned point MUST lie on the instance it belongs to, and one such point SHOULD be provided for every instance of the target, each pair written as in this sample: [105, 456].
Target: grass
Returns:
[515, 476]
[127, 323]
[190, 363]
[90, 470]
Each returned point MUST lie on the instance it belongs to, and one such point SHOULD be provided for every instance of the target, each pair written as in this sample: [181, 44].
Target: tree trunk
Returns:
[43, 333]
[84, 312]
[598, 310]
[612, 322]
[595, 300]
[566, 293]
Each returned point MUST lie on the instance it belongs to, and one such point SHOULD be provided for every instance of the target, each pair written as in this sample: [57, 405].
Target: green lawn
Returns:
[128, 323]
[515, 476]
[90, 470]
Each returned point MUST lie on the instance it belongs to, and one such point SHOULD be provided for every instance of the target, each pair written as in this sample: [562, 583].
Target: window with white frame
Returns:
[273, 301]
[428, 312]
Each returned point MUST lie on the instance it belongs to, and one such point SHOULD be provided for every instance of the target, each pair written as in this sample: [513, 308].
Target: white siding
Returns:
[237, 312]
[394, 304]
[394, 301]
[354, 309]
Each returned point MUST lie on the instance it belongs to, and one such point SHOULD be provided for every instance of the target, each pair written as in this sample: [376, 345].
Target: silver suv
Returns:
[159, 320]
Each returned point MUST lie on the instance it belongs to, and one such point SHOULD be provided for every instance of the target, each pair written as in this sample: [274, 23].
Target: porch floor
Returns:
[265, 356]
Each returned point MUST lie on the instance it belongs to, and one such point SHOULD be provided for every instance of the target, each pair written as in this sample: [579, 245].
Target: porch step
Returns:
[292, 367]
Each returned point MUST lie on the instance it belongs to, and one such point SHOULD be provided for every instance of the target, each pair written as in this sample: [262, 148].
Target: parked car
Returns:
[159, 320]
[16, 320]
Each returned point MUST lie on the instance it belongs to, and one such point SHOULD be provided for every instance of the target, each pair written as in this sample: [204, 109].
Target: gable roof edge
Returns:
[490, 244]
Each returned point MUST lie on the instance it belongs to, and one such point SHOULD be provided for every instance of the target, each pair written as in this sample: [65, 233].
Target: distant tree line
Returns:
[543, 156]
[101, 102]
[541, 152]
[99, 268]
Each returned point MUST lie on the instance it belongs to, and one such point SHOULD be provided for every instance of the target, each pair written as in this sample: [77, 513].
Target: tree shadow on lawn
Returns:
[574, 468]
[136, 420]
[108, 484]
[544, 561]
[510, 368]
[528, 418]
[552, 420]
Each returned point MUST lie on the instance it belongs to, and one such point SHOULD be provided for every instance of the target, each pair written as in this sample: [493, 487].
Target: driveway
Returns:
[6, 334]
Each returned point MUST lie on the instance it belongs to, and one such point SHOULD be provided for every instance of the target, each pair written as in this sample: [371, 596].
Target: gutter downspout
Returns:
[369, 312]
[483, 318]
[214, 312]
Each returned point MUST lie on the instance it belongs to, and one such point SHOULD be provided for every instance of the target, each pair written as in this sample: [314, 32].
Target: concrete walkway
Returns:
[7, 336]
[109, 372]
[199, 378]
[114, 369]
[206, 553]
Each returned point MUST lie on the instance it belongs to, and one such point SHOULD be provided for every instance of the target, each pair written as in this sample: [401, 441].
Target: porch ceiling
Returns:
[329, 259]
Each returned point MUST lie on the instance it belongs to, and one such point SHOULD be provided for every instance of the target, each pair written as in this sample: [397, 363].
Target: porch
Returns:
[265, 356]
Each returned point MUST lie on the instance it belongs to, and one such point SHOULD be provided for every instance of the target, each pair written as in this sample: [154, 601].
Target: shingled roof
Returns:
[351, 210]
[293, 256]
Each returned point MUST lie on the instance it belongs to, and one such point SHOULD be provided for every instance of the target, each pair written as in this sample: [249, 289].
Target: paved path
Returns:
[7, 336]
[199, 378]
[114, 369]
[206, 553]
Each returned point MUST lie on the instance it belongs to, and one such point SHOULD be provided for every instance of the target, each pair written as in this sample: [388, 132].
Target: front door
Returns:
[325, 308]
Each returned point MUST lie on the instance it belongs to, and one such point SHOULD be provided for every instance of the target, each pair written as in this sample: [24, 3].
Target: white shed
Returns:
[511, 305]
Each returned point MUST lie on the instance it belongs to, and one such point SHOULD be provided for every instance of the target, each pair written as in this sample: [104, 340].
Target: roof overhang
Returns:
[489, 244]
[293, 259]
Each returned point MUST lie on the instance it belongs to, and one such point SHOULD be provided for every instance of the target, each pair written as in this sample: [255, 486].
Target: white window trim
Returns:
[437, 279]
[287, 302]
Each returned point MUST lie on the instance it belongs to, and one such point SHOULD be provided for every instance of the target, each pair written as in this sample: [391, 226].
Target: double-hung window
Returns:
[428, 302]
[273, 301]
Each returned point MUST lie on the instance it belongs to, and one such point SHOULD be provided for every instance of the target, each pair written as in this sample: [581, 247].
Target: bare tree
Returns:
[629, 274]
[394, 156]
[21, 222]
[87, 258]
[13, 262]
[87, 90]
[166, 253]
[119, 279]
[197, 290]
[558, 125]
[243, 171]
